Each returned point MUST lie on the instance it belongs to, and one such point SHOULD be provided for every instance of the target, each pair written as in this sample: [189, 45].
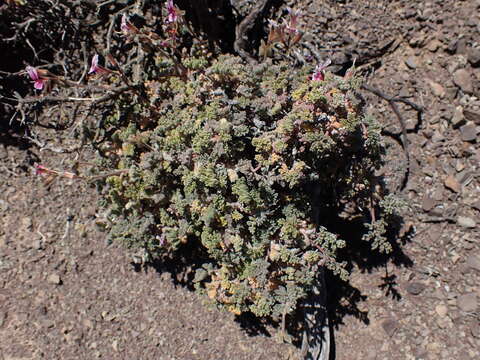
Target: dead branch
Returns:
[246, 25]
[392, 101]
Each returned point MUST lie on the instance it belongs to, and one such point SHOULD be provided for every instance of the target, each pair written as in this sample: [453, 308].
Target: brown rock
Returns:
[463, 80]
[390, 326]
[467, 302]
[412, 62]
[473, 56]
[452, 184]
[462, 46]
[468, 132]
[474, 262]
[466, 222]
[441, 310]
[428, 203]
[437, 89]
[54, 279]
[458, 117]
[434, 45]
[472, 116]
[415, 288]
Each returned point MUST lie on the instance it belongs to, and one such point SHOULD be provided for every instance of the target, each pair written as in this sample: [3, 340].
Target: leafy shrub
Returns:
[244, 162]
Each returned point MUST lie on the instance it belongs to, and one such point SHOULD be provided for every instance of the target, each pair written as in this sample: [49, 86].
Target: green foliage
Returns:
[226, 161]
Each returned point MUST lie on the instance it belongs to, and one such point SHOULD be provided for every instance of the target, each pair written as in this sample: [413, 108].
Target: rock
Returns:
[3, 316]
[458, 117]
[452, 46]
[415, 288]
[473, 56]
[463, 80]
[27, 223]
[411, 62]
[462, 46]
[467, 302]
[472, 116]
[466, 222]
[390, 326]
[428, 203]
[441, 310]
[476, 205]
[473, 262]
[468, 132]
[54, 279]
[452, 184]
[115, 345]
[434, 45]
[3, 206]
[437, 89]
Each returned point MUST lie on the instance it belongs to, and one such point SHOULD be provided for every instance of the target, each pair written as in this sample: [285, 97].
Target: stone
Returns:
[458, 117]
[467, 302]
[3, 316]
[473, 56]
[452, 184]
[428, 203]
[434, 45]
[415, 288]
[473, 262]
[452, 46]
[54, 279]
[462, 46]
[411, 62]
[476, 205]
[437, 89]
[441, 310]
[472, 116]
[27, 223]
[466, 222]
[468, 132]
[463, 80]
[390, 326]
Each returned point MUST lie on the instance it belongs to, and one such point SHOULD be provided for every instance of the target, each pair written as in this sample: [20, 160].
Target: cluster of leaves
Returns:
[235, 161]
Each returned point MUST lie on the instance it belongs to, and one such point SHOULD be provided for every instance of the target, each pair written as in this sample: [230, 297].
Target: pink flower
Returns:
[127, 27]
[319, 73]
[40, 169]
[172, 12]
[97, 69]
[292, 23]
[38, 81]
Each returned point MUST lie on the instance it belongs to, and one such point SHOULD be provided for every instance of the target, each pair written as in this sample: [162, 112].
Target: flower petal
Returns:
[38, 84]
[94, 66]
[33, 73]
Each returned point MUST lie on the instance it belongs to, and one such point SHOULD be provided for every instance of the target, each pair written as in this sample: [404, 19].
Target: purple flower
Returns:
[97, 69]
[172, 12]
[319, 73]
[38, 81]
[292, 23]
[127, 27]
[124, 24]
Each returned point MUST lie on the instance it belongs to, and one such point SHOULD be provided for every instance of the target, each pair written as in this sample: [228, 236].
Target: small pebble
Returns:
[452, 184]
[467, 302]
[473, 262]
[441, 310]
[468, 132]
[54, 279]
[415, 288]
[466, 222]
